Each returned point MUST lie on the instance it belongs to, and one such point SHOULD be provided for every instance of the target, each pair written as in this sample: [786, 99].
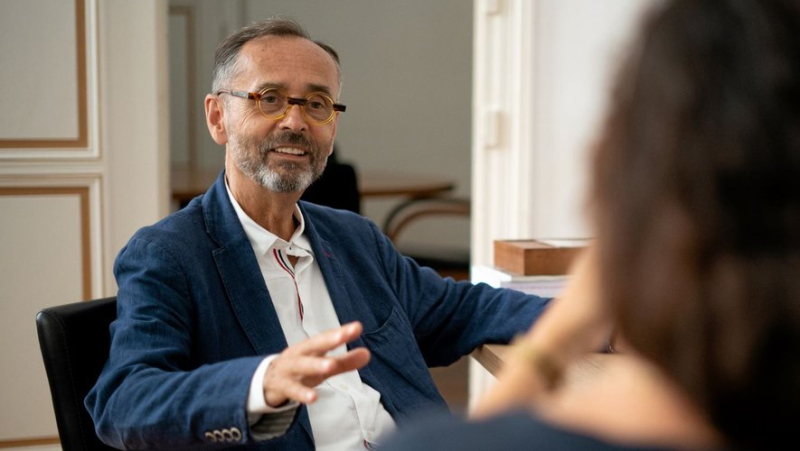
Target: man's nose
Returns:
[294, 119]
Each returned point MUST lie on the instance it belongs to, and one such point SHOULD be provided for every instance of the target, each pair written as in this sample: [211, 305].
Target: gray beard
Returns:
[284, 183]
[294, 179]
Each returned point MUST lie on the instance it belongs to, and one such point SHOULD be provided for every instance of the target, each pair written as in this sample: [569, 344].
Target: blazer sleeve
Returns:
[449, 318]
[150, 395]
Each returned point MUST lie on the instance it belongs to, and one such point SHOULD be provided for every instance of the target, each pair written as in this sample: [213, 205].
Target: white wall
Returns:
[542, 72]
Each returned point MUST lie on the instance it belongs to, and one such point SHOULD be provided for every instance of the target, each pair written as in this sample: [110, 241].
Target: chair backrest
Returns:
[415, 209]
[75, 343]
[337, 187]
[447, 261]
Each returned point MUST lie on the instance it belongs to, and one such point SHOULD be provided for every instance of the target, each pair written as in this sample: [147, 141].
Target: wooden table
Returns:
[388, 184]
[619, 394]
[189, 183]
[491, 357]
[590, 368]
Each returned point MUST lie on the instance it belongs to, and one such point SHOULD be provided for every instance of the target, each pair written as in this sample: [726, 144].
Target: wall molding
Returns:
[88, 187]
[86, 241]
[82, 140]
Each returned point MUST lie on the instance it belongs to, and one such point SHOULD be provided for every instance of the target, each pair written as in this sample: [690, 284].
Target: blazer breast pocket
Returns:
[393, 342]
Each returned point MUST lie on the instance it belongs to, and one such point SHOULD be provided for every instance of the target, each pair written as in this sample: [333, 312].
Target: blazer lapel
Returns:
[331, 271]
[348, 303]
[240, 274]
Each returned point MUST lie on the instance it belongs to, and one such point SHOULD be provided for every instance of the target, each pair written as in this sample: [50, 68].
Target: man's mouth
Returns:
[289, 151]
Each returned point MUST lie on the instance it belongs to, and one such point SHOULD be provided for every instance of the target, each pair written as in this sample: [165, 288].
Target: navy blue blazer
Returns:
[195, 319]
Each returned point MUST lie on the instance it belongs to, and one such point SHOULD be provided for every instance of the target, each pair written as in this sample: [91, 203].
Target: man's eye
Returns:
[270, 98]
[315, 105]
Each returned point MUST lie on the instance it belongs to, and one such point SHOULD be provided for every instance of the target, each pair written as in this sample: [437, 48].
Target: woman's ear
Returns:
[215, 114]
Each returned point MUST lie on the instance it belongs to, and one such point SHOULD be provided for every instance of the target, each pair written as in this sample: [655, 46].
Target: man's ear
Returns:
[215, 119]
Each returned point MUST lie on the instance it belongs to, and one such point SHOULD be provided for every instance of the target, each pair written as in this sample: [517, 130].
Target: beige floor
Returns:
[453, 385]
[453, 380]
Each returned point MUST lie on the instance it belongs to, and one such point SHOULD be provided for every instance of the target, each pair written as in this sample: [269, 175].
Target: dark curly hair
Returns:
[697, 200]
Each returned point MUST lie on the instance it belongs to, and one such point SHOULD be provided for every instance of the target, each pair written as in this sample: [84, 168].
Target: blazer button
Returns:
[209, 435]
[236, 434]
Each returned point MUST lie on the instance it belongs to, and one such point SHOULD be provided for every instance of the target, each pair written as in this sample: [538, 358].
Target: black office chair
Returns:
[337, 187]
[75, 342]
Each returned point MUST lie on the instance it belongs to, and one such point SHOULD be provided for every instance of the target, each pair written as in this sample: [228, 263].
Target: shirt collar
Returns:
[262, 239]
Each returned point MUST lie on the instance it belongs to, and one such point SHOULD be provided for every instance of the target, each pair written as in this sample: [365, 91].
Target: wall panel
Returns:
[83, 164]
[45, 240]
[48, 87]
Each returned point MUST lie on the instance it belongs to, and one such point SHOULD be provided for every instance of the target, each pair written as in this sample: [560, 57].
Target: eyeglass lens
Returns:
[317, 107]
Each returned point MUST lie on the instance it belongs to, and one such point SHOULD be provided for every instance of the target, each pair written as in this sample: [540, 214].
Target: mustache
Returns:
[287, 138]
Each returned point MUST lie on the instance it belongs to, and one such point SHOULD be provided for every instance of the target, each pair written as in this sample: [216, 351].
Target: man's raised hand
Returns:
[294, 373]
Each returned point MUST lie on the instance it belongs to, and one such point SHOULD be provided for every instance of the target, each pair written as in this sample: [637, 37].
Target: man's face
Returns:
[286, 154]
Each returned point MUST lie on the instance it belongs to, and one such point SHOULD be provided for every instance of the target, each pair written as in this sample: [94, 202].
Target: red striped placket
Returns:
[285, 266]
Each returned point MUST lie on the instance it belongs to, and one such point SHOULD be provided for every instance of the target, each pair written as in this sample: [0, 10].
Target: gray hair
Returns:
[225, 57]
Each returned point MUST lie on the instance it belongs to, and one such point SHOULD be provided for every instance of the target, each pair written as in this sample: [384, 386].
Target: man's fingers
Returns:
[290, 390]
[302, 366]
[354, 359]
[313, 370]
[326, 341]
[295, 377]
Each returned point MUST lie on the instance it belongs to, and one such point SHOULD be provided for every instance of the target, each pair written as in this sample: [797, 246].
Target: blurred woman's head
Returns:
[697, 202]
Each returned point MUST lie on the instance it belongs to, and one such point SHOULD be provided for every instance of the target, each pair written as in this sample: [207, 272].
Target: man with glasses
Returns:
[251, 318]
